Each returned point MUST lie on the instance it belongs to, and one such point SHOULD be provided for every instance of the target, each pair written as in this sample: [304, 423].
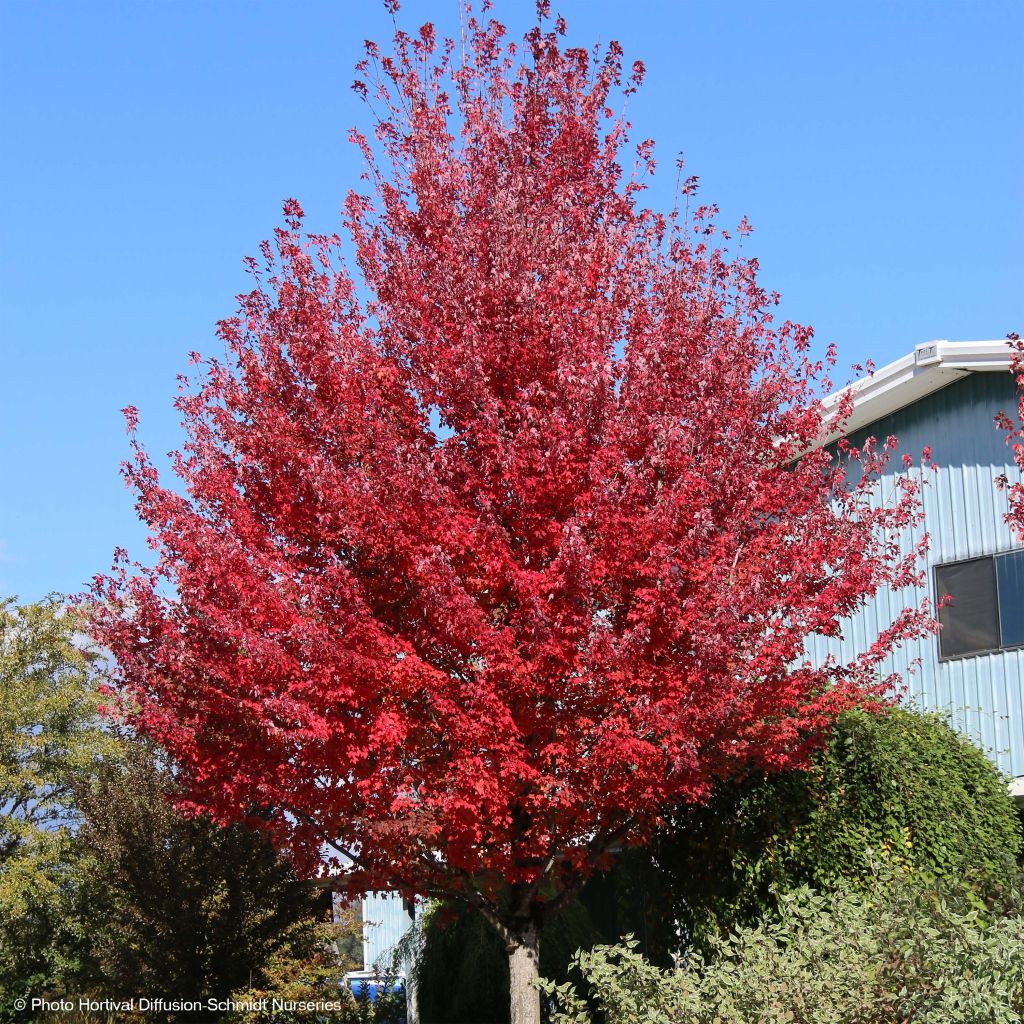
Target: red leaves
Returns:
[1014, 430]
[293, 214]
[492, 552]
[131, 418]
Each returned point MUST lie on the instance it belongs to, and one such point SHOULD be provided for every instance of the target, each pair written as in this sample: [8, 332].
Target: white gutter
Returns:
[928, 368]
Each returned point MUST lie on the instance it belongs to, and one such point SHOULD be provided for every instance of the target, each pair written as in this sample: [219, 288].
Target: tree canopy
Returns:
[51, 737]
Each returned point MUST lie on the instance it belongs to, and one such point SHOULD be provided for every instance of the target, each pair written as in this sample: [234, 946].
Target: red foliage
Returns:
[492, 549]
[1015, 438]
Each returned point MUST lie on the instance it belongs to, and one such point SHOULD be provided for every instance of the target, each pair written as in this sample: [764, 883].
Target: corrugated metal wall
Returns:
[385, 921]
[964, 512]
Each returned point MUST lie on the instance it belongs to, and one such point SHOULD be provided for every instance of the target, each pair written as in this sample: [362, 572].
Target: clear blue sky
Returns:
[146, 147]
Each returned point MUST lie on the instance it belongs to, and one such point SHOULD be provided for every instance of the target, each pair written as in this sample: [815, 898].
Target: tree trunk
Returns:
[523, 968]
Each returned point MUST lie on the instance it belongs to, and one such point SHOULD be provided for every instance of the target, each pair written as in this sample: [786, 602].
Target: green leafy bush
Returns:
[904, 952]
[306, 977]
[895, 785]
[177, 905]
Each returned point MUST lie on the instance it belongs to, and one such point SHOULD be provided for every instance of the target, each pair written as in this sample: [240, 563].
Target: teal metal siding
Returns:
[983, 694]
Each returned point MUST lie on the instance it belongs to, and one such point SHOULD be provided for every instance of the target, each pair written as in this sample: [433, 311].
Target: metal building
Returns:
[946, 395]
[386, 919]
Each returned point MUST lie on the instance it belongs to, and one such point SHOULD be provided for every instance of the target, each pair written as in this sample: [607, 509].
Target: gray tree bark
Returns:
[523, 968]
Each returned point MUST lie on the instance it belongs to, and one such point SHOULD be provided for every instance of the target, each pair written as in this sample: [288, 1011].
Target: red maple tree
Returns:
[505, 536]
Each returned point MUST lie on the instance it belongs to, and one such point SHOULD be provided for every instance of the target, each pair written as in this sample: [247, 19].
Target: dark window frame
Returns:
[992, 556]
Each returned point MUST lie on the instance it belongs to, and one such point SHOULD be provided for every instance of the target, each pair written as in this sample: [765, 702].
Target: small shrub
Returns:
[905, 952]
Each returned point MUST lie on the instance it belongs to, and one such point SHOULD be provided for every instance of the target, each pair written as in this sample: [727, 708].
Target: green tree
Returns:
[104, 886]
[179, 906]
[51, 737]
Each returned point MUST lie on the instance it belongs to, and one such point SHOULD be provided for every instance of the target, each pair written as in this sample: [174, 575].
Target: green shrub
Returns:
[898, 786]
[305, 970]
[904, 952]
[177, 905]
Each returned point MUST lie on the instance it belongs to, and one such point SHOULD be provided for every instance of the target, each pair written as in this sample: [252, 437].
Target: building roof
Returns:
[931, 366]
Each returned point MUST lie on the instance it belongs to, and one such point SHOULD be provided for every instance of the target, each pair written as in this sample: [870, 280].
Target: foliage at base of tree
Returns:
[903, 951]
[310, 968]
[462, 974]
[894, 786]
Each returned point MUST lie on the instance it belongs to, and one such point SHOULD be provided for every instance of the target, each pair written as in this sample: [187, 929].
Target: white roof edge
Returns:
[931, 366]
[1016, 788]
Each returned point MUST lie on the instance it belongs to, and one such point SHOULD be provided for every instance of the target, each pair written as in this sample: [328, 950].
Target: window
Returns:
[986, 611]
[1010, 581]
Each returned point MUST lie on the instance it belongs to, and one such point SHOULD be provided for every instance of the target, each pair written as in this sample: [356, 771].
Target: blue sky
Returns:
[876, 148]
